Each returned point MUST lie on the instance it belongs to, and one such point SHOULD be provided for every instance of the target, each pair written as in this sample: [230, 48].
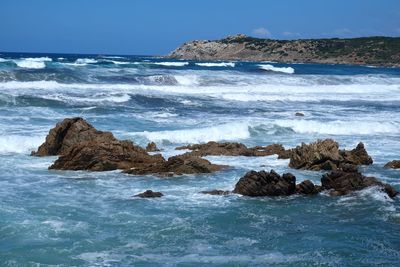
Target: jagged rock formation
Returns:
[383, 51]
[348, 179]
[82, 147]
[325, 155]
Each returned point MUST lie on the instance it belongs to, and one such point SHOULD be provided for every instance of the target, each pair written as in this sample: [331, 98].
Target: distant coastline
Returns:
[376, 51]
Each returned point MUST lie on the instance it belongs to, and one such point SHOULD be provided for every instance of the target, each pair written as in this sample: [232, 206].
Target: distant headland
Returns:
[378, 51]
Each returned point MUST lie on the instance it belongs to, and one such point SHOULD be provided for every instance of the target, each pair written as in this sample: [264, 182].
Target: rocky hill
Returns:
[379, 51]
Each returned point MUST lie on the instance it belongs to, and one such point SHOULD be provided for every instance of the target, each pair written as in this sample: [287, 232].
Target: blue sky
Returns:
[154, 27]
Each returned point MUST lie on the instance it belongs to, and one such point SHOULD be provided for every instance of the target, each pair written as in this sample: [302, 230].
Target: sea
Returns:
[80, 218]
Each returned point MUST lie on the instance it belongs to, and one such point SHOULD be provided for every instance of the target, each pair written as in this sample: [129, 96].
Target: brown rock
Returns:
[232, 149]
[344, 182]
[216, 192]
[306, 188]
[394, 164]
[266, 184]
[357, 156]
[325, 155]
[69, 133]
[105, 156]
[181, 164]
[152, 147]
[149, 194]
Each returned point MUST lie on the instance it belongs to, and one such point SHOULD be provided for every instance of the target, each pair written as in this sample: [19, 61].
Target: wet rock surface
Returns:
[232, 149]
[394, 164]
[216, 192]
[149, 194]
[348, 179]
[325, 155]
[307, 188]
[266, 184]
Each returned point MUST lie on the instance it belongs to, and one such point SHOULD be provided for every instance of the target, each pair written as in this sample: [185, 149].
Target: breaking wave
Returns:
[270, 67]
[215, 64]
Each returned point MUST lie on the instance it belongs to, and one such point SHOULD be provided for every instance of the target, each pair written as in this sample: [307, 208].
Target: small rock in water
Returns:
[149, 194]
[394, 164]
[299, 114]
[216, 192]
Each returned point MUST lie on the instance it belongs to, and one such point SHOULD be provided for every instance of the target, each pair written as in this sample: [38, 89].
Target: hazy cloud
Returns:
[262, 32]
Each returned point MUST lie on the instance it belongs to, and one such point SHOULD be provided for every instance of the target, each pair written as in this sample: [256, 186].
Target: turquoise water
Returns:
[68, 218]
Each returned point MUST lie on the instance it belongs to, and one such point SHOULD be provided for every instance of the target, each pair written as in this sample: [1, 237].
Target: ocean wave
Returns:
[227, 131]
[32, 63]
[171, 64]
[348, 127]
[187, 85]
[216, 64]
[3, 60]
[19, 143]
[96, 98]
[270, 67]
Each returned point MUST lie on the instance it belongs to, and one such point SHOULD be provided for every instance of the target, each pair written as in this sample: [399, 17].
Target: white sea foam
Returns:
[227, 131]
[86, 61]
[3, 60]
[171, 64]
[19, 143]
[270, 67]
[216, 64]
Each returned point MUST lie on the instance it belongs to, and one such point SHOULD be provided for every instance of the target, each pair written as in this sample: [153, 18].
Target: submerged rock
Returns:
[266, 184]
[152, 147]
[325, 155]
[394, 164]
[216, 192]
[348, 180]
[68, 133]
[299, 114]
[149, 194]
[232, 149]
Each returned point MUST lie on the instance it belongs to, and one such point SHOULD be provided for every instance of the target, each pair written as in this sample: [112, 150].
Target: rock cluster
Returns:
[325, 155]
[338, 182]
[82, 147]
[233, 149]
